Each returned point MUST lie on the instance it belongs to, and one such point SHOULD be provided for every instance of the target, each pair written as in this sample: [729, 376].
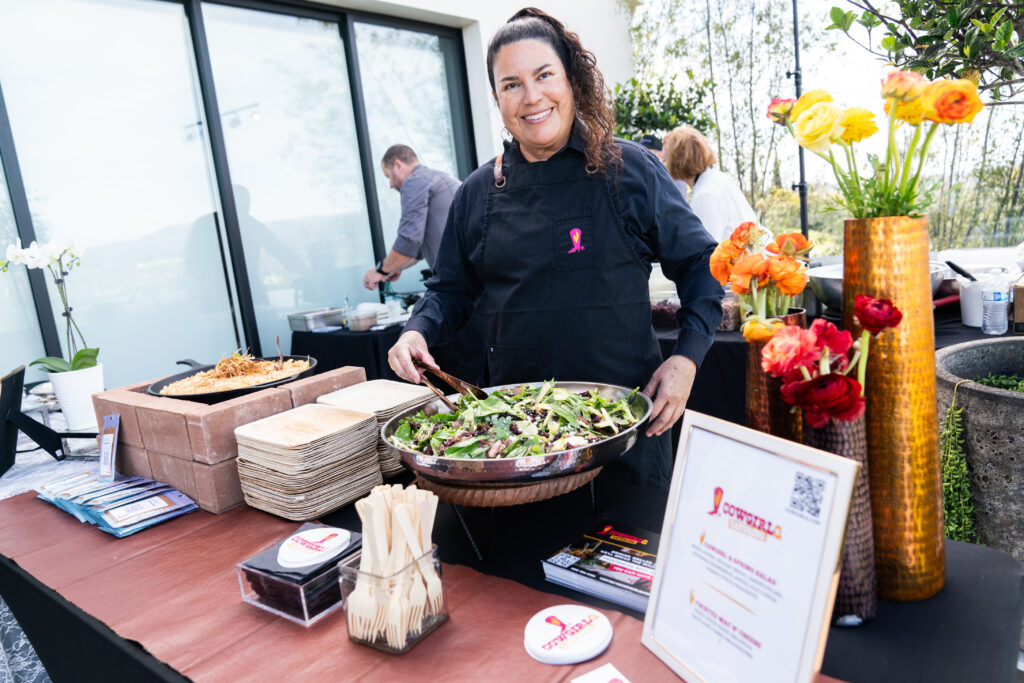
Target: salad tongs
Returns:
[462, 386]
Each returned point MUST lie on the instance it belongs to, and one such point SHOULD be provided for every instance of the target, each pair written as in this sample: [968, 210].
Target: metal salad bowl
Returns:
[530, 468]
[827, 282]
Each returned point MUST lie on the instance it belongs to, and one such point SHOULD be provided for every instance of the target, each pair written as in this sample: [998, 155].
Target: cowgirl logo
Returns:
[576, 235]
[742, 520]
[567, 631]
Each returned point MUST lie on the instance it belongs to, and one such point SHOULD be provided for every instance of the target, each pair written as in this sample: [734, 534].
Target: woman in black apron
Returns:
[556, 237]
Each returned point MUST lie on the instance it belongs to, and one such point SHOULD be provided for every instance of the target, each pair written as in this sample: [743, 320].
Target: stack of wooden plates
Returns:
[385, 399]
[305, 462]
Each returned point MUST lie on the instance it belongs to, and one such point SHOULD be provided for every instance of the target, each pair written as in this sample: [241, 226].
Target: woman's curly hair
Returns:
[586, 81]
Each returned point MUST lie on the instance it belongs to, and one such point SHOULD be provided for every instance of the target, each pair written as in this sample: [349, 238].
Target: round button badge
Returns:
[312, 546]
[567, 634]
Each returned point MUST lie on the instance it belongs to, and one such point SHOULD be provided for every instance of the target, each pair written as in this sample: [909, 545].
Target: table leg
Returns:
[469, 534]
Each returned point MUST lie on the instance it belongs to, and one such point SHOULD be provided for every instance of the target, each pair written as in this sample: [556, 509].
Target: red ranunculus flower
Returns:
[826, 396]
[828, 335]
[790, 349]
[874, 315]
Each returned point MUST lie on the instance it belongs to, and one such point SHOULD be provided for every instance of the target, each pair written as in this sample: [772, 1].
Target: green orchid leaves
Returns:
[85, 358]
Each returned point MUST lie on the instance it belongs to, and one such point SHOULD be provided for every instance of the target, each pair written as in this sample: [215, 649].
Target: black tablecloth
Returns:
[336, 349]
[718, 390]
[369, 350]
[968, 632]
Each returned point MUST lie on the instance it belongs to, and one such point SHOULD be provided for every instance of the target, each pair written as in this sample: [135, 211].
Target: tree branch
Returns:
[868, 7]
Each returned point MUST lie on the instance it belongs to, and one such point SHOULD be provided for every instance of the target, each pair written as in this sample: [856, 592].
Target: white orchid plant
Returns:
[58, 257]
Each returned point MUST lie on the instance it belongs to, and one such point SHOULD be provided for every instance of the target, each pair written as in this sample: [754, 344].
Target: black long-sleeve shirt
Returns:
[658, 225]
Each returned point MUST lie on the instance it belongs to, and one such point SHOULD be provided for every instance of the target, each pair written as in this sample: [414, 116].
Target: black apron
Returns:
[565, 297]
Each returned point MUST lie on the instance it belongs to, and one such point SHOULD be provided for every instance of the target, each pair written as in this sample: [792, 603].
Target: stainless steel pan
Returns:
[532, 467]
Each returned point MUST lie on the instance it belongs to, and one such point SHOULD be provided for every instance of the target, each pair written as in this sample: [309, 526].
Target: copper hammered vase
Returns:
[858, 590]
[887, 258]
[766, 411]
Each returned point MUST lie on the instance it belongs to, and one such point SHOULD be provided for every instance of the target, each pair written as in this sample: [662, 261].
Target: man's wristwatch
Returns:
[381, 270]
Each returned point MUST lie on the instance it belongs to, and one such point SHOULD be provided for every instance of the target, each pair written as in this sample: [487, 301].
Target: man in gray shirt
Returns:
[426, 196]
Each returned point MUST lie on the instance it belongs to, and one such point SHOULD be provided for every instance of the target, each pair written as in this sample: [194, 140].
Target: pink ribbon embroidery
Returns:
[575, 235]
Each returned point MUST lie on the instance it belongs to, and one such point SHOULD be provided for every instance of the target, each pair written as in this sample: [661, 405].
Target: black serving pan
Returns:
[218, 396]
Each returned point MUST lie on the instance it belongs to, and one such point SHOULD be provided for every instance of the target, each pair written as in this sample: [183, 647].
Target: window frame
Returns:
[453, 50]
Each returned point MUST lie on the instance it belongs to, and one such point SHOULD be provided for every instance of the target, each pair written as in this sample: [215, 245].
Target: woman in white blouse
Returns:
[714, 197]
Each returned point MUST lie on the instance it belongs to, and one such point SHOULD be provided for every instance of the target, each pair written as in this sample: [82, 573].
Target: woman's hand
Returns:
[669, 388]
[411, 345]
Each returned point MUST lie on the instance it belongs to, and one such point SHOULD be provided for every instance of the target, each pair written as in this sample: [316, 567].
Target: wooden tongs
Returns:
[462, 386]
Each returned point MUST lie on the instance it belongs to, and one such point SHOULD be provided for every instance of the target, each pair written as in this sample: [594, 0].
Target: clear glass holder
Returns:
[393, 613]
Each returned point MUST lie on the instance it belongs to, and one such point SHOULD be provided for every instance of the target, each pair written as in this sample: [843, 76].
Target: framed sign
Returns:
[749, 557]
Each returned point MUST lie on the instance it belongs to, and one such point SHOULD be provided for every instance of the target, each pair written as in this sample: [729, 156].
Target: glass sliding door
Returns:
[405, 83]
[282, 86]
[20, 340]
[106, 119]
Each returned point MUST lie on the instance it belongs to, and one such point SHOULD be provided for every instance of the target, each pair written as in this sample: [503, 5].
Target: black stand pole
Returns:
[795, 75]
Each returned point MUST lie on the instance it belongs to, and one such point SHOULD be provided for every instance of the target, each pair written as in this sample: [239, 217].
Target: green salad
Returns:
[520, 421]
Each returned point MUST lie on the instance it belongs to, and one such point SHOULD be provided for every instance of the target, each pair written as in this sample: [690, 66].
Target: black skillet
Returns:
[218, 396]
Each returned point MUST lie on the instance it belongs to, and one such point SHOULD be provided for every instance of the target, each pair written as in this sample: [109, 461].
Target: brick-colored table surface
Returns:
[173, 589]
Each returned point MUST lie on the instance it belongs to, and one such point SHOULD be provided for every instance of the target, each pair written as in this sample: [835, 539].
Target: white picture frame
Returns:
[744, 591]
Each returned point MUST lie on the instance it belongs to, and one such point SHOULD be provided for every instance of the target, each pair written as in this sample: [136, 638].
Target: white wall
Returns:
[603, 27]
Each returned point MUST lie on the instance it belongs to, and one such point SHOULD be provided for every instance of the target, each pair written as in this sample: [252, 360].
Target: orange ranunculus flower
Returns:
[790, 244]
[757, 330]
[857, 124]
[790, 349]
[721, 261]
[779, 108]
[951, 101]
[903, 85]
[746, 269]
[808, 100]
[910, 111]
[789, 273]
[742, 234]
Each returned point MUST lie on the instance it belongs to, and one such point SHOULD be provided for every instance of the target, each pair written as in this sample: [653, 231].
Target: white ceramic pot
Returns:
[74, 392]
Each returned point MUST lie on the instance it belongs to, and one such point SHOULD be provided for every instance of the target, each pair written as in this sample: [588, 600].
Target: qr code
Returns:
[807, 493]
[564, 560]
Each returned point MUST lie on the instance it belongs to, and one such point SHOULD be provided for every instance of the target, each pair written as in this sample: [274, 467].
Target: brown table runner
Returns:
[173, 588]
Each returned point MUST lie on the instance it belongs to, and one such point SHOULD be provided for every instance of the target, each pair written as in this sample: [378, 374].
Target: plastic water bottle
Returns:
[995, 302]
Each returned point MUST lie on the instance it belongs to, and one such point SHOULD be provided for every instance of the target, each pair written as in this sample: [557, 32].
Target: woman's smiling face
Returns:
[534, 97]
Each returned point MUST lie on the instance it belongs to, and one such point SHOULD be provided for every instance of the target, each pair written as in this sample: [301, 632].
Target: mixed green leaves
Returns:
[521, 421]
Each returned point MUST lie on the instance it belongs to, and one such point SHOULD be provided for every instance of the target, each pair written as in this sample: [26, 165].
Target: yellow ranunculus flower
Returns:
[912, 112]
[819, 127]
[808, 100]
[759, 330]
[951, 101]
[857, 124]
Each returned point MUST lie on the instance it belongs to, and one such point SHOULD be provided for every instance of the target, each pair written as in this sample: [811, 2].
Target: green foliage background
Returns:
[657, 106]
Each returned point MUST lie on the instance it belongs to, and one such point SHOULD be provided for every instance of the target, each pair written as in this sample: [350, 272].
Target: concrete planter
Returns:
[993, 435]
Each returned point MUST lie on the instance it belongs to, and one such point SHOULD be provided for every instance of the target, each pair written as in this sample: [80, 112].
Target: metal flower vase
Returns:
[857, 596]
[887, 258]
[766, 411]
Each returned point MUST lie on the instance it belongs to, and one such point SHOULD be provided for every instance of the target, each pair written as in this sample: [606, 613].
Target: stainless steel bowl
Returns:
[532, 467]
[827, 282]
